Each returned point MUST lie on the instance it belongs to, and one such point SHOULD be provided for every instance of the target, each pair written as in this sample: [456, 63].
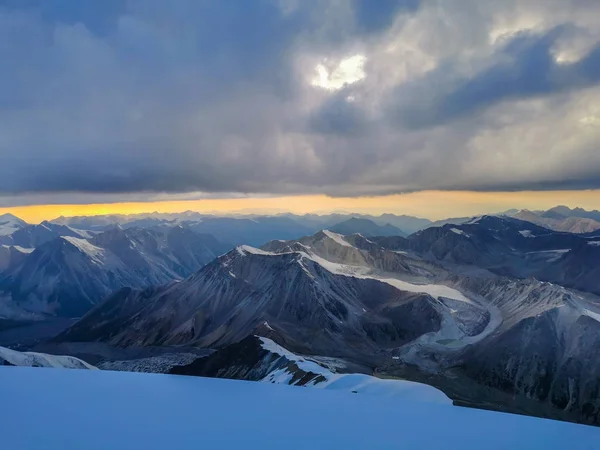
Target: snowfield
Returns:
[32, 359]
[93, 410]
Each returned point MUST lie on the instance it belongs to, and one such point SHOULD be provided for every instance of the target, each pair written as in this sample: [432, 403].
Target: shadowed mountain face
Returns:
[366, 227]
[68, 275]
[312, 308]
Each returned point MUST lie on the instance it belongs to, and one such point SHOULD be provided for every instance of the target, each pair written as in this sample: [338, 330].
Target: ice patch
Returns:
[435, 290]
[526, 233]
[337, 238]
[474, 220]
[23, 249]
[459, 232]
[594, 243]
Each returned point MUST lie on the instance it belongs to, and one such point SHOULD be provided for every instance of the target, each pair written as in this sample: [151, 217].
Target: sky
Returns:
[428, 107]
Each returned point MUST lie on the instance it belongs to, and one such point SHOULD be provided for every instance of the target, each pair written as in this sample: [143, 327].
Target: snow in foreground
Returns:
[59, 409]
[351, 382]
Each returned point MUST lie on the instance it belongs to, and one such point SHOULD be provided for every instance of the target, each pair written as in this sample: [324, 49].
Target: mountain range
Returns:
[417, 313]
[562, 218]
[495, 311]
[67, 275]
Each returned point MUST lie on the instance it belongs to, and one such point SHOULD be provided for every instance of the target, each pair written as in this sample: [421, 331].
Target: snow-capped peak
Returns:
[9, 224]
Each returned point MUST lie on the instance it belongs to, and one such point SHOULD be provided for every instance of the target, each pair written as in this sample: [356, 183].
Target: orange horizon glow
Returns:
[432, 205]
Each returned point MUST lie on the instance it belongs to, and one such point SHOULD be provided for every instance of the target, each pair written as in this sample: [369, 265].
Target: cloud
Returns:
[523, 68]
[139, 98]
[375, 16]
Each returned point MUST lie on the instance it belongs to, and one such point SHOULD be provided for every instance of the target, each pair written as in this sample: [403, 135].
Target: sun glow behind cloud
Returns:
[348, 71]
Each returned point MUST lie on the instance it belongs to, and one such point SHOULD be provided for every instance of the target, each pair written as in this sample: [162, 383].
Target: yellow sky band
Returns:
[429, 204]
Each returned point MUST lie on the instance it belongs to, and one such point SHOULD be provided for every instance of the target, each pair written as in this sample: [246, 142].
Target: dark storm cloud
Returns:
[131, 99]
[380, 14]
[525, 67]
[339, 115]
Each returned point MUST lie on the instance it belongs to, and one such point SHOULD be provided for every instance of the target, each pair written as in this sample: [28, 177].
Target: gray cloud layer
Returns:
[132, 98]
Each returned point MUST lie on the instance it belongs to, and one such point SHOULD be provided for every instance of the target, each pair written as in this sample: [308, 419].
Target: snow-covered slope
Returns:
[31, 236]
[10, 357]
[11, 255]
[9, 224]
[508, 246]
[121, 411]
[68, 275]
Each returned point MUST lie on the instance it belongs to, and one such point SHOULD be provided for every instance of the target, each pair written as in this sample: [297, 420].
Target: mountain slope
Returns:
[12, 255]
[564, 211]
[555, 221]
[10, 357]
[9, 224]
[310, 306]
[366, 227]
[68, 275]
[31, 236]
[511, 247]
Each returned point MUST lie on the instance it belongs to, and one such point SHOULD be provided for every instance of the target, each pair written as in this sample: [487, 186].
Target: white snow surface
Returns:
[459, 232]
[594, 243]
[435, 290]
[95, 253]
[93, 410]
[19, 248]
[337, 238]
[32, 359]
[359, 383]
[526, 233]
[9, 224]
[243, 249]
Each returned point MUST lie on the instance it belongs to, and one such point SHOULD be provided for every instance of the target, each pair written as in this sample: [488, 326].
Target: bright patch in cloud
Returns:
[349, 70]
